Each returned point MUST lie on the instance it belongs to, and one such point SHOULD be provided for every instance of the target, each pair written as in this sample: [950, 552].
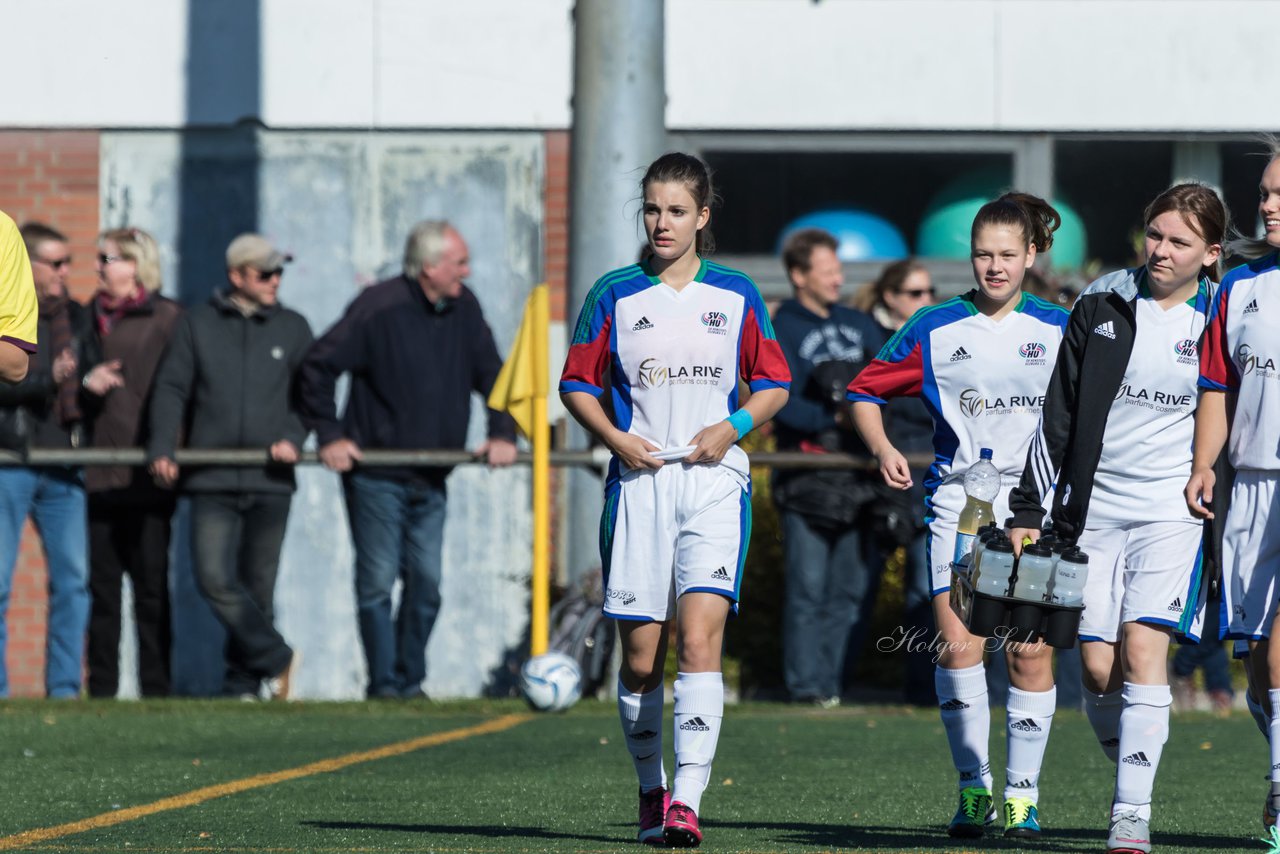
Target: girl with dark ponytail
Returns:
[980, 362]
[673, 335]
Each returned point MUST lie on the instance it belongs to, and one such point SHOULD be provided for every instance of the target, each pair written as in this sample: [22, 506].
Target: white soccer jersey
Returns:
[1146, 449]
[1241, 354]
[982, 380]
[673, 358]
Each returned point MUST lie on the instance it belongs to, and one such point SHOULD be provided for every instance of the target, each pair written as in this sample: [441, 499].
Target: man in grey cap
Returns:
[228, 374]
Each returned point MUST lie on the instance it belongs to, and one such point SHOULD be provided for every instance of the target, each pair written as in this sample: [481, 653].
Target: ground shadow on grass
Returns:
[881, 838]
[487, 831]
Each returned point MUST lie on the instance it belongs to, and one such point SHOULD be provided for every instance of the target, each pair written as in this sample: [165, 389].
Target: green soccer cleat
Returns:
[1021, 819]
[974, 814]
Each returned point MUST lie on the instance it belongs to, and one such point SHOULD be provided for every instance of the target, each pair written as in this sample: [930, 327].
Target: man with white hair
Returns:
[416, 347]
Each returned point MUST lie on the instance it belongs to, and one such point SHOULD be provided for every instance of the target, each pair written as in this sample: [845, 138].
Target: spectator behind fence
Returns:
[903, 288]
[129, 515]
[831, 553]
[18, 310]
[417, 347]
[228, 373]
[43, 411]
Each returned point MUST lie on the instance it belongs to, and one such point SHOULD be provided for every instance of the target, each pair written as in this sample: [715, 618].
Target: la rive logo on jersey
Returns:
[974, 404]
[1160, 401]
[654, 374]
[1187, 351]
[1033, 353]
[717, 322]
[1251, 362]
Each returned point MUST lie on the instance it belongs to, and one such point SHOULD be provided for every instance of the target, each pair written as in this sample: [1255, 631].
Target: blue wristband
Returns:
[742, 422]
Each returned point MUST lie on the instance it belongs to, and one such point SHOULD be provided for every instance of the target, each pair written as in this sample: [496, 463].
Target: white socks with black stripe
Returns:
[966, 716]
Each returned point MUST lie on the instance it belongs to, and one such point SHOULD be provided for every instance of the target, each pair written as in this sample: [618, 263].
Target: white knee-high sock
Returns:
[1274, 696]
[962, 702]
[1103, 712]
[1144, 728]
[641, 716]
[1030, 714]
[1259, 713]
[699, 711]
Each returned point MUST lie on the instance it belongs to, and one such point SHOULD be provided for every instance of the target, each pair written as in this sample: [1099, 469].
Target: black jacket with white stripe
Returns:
[1097, 345]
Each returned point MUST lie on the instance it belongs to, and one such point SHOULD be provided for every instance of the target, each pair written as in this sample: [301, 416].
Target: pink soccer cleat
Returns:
[653, 812]
[681, 829]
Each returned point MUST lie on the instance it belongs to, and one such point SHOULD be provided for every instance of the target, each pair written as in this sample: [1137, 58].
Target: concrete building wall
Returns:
[975, 65]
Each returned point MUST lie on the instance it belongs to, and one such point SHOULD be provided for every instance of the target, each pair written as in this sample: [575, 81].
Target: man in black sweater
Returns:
[227, 377]
[43, 411]
[416, 347]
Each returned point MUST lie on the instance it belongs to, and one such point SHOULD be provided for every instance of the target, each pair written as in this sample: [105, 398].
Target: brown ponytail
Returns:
[1032, 215]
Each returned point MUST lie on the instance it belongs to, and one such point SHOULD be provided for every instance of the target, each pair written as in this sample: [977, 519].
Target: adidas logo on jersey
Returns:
[960, 355]
[1139, 759]
[953, 705]
[642, 324]
[720, 575]
[1176, 604]
[1252, 307]
[1025, 725]
[1106, 330]
[695, 725]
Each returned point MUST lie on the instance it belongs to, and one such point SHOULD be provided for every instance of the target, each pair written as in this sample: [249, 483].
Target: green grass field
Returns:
[491, 777]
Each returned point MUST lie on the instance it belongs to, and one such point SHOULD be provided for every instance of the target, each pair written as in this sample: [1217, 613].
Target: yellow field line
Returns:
[208, 793]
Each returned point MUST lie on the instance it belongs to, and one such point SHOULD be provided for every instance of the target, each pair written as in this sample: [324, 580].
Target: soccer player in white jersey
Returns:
[1240, 409]
[1115, 437]
[980, 362]
[672, 336]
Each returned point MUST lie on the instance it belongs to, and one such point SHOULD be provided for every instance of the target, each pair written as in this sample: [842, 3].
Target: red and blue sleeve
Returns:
[760, 359]
[589, 352]
[898, 371]
[1217, 371]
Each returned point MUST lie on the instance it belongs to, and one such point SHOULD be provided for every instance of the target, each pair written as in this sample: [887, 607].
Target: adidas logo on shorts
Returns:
[960, 355]
[1025, 725]
[695, 725]
[954, 705]
[1252, 307]
[1106, 330]
[642, 324]
[1139, 759]
[1176, 604]
[720, 575]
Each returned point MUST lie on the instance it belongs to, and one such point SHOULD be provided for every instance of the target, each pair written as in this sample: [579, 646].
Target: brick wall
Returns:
[50, 176]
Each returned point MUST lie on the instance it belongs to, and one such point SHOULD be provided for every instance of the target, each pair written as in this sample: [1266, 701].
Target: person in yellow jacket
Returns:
[18, 309]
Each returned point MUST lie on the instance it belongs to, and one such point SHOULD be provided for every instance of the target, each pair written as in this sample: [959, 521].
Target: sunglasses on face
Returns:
[918, 293]
[273, 273]
[57, 263]
[104, 259]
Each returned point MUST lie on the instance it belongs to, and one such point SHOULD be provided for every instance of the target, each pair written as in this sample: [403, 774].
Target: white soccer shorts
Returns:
[664, 533]
[1145, 572]
[1251, 554]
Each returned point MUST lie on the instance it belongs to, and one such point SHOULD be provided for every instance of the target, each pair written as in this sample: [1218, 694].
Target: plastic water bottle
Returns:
[989, 531]
[997, 567]
[1035, 571]
[1069, 577]
[981, 484]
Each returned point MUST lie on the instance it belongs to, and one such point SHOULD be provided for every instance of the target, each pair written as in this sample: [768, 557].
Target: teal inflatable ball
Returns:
[944, 230]
[862, 236]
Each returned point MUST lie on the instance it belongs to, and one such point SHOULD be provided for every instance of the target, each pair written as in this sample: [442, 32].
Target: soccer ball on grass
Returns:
[551, 682]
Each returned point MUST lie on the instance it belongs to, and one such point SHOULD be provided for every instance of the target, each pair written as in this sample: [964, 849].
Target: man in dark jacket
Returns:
[832, 559]
[43, 411]
[417, 347]
[227, 376]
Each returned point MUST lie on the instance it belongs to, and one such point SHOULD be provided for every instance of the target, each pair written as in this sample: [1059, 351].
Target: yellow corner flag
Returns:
[521, 389]
[524, 377]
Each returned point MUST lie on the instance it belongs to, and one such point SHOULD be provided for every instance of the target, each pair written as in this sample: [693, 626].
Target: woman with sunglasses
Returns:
[128, 513]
